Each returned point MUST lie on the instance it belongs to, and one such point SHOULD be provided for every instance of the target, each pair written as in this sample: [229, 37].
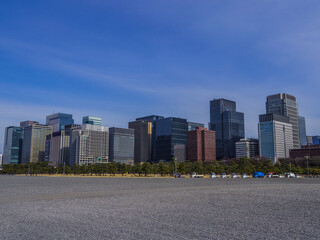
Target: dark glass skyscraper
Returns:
[152, 119]
[170, 132]
[12, 145]
[228, 125]
[58, 121]
[302, 131]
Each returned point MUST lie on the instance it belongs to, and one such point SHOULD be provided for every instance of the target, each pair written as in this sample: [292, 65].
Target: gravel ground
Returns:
[133, 208]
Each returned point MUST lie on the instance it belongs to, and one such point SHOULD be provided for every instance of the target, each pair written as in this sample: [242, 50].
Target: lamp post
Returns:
[308, 173]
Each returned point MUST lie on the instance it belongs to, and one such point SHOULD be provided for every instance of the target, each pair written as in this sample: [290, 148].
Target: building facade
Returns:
[180, 152]
[247, 148]
[58, 121]
[228, 125]
[286, 105]
[169, 132]
[34, 143]
[142, 140]
[302, 131]
[57, 148]
[27, 123]
[275, 136]
[92, 120]
[153, 119]
[193, 125]
[1, 160]
[92, 144]
[315, 140]
[201, 145]
[121, 145]
[13, 140]
[306, 151]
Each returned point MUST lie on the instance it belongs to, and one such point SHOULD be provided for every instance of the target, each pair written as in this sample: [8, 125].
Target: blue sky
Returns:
[126, 59]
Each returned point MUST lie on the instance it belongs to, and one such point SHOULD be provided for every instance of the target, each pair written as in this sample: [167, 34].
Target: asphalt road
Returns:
[130, 208]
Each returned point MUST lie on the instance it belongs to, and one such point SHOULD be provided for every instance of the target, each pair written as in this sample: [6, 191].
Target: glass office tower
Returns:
[12, 145]
[121, 145]
[58, 121]
[286, 105]
[153, 119]
[228, 125]
[275, 136]
[302, 131]
[34, 143]
[92, 120]
[170, 132]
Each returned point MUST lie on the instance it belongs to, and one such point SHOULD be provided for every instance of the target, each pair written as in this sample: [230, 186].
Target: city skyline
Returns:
[123, 60]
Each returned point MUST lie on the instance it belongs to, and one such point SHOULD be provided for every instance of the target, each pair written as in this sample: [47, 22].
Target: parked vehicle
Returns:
[298, 176]
[195, 175]
[234, 175]
[213, 175]
[179, 175]
[258, 175]
[244, 175]
[289, 175]
[223, 175]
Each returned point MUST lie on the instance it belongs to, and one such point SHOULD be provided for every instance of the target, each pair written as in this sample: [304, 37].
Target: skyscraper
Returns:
[92, 144]
[57, 148]
[34, 143]
[58, 121]
[228, 125]
[142, 140]
[286, 105]
[275, 136]
[193, 125]
[121, 145]
[302, 131]
[169, 132]
[27, 123]
[247, 148]
[153, 119]
[12, 145]
[92, 120]
[201, 145]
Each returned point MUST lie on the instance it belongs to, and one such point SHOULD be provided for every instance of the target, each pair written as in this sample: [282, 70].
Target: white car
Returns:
[213, 175]
[244, 175]
[234, 175]
[223, 175]
[290, 175]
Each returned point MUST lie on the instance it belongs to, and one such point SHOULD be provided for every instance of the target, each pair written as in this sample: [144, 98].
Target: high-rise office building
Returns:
[34, 143]
[201, 145]
[275, 136]
[302, 131]
[91, 144]
[1, 159]
[92, 120]
[73, 131]
[315, 140]
[228, 125]
[153, 119]
[12, 145]
[247, 148]
[121, 145]
[27, 123]
[142, 140]
[58, 121]
[193, 125]
[309, 140]
[180, 152]
[286, 105]
[57, 148]
[169, 132]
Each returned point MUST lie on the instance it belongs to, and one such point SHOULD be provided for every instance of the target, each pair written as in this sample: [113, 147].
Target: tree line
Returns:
[243, 165]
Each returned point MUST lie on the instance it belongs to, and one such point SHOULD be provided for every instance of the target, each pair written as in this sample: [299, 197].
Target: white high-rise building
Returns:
[275, 136]
[91, 144]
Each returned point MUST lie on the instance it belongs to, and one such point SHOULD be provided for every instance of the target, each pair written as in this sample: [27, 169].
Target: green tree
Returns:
[146, 168]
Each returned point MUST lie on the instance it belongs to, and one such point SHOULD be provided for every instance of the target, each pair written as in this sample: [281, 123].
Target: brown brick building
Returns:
[201, 145]
[308, 150]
